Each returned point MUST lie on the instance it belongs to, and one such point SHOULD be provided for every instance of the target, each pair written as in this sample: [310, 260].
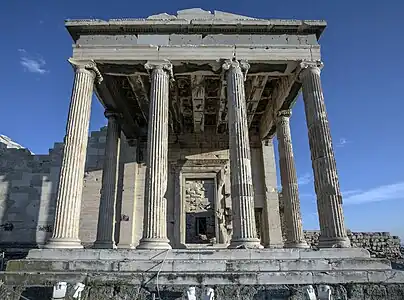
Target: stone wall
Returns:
[28, 186]
[379, 244]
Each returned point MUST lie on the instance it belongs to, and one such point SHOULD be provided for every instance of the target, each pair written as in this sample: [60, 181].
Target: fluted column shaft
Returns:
[326, 183]
[155, 204]
[70, 186]
[242, 192]
[106, 214]
[290, 191]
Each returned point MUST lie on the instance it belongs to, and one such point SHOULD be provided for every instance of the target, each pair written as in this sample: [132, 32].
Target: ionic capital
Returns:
[310, 67]
[88, 65]
[163, 65]
[286, 113]
[111, 114]
[241, 66]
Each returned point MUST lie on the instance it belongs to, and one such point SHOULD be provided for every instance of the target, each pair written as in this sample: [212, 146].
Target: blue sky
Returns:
[362, 50]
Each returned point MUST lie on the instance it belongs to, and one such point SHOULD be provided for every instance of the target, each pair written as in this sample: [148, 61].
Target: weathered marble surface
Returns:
[242, 190]
[326, 182]
[155, 209]
[107, 210]
[69, 194]
[290, 190]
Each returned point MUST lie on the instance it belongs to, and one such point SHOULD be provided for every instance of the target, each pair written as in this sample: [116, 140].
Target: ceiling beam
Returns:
[198, 102]
[140, 92]
[129, 124]
[258, 86]
[174, 108]
[281, 91]
[222, 108]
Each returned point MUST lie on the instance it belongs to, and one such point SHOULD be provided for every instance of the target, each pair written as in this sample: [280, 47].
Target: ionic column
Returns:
[290, 192]
[155, 205]
[242, 193]
[70, 186]
[106, 214]
[329, 198]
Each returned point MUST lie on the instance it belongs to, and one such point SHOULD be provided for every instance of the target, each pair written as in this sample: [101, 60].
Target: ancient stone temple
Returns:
[185, 188]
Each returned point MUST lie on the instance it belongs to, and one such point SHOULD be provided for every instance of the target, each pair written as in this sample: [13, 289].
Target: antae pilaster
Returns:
[130, 185]
[326, 183]
[106, 215]
[242, 192]
[290, 192]
[155, 205]
[70, 186]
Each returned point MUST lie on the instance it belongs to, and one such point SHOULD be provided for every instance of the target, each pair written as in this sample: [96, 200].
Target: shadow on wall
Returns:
[27, 192]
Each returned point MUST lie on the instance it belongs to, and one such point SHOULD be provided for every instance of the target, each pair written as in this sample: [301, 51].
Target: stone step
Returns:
[205, 254]
[204, 266]
[201, 279]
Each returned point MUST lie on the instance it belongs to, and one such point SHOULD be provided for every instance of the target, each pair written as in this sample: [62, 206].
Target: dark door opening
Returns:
[200, 226]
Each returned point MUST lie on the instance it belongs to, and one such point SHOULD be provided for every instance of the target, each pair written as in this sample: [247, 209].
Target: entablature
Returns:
[194, 21]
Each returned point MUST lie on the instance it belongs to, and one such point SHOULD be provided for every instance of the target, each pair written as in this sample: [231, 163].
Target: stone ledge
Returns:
[198, 279]
[204, 266]
[205, 254]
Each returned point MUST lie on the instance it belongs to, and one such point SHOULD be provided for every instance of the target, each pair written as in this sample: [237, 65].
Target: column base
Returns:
[299, 245]
[63, 244]
[253, 243]
[338, 242]
[155, 244]
[104, 245]
[126, 246]
[274, 246]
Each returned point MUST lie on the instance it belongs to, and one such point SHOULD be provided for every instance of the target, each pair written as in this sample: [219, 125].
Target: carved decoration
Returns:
[195, 196]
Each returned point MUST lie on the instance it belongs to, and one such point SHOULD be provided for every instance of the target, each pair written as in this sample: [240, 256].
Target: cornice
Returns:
[183, 26]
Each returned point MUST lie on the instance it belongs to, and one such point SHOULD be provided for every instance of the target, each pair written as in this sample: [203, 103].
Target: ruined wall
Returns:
[28, 186]
[379, 244]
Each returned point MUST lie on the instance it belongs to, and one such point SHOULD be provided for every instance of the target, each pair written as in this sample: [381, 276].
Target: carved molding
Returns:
[287, 113]
[112, 114]
[242, 66]
[163, 65]
[310, 66]
[205, 164]
[88, 65]
[194, 168]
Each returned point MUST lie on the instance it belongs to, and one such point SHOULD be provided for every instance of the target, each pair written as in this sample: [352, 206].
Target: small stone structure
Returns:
[193, 101]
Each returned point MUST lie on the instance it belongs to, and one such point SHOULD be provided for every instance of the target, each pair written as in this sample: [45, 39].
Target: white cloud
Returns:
[382, 193]
[31, 64]
[342, 142]
[305, 179]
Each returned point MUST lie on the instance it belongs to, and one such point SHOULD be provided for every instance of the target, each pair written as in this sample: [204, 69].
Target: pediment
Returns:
[200, 14]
